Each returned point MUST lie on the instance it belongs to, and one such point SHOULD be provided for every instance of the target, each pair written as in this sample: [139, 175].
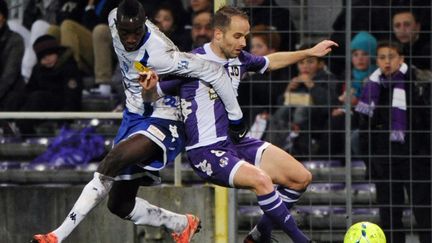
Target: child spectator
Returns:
[363, 52]
[395, 126]
[308, 98]
[168, 20]
[55, 84]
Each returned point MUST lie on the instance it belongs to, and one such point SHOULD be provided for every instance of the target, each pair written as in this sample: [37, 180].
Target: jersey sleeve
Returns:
[254, 63]
[191, 66]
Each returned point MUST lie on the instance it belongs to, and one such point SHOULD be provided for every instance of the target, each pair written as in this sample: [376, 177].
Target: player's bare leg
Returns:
[137, 148]
[292, 178]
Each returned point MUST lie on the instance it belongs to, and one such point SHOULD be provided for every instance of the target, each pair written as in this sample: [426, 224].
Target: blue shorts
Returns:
[167, 134]
[219, 162]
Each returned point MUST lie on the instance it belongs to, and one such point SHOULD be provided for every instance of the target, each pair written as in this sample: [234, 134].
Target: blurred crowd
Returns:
[47, 57]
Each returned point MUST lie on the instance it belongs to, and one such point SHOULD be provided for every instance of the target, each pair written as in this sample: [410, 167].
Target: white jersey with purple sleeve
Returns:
[157, 52]
[205, 119]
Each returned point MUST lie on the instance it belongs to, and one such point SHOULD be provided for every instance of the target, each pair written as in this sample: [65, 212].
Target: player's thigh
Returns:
[284, 169]
[135, 149]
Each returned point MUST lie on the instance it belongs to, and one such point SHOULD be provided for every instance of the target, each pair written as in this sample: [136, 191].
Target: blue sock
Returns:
[276, 210]
[289, 196]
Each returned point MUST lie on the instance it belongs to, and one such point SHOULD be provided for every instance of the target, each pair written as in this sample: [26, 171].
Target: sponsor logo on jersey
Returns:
[205, 167]
[156, 132]
[212, 94]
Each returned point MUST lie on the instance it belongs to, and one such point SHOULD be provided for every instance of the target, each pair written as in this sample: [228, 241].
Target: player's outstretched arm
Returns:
[279, 60]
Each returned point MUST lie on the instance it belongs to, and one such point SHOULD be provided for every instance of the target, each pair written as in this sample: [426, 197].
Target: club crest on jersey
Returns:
[125, 67]
[212, 94]
[183, 65]
[223, 162]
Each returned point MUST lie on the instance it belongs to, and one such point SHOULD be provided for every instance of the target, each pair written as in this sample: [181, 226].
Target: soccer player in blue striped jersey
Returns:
[239, 161]
[151, 133]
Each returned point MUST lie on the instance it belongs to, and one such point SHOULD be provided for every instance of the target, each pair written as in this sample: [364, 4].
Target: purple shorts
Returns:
[218, 163]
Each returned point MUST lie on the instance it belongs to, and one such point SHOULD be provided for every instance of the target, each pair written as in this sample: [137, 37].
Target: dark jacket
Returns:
[11, 54]
[63, 82]
[418, 53]
[375, 138]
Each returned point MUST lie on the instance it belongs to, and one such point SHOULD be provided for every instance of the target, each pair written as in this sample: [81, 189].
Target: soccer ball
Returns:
[364, 232]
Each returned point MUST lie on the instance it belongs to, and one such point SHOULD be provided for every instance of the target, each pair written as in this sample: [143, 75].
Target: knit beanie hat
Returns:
[46, 44]
[365, 42]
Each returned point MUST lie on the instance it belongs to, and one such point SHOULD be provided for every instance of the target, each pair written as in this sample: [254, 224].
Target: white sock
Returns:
[92, 194]
[145, 213]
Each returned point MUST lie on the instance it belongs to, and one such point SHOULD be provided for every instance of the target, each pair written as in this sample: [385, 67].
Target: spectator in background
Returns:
[374, 17]
[202, 31]
[260, 94]
[363, 53]
[196, 6]
[55, 84]
[308, 100]
[84, 29]
[167, 19]
[395, 127]
[11, 54]
[38, 16]
[268, 12]
[416, 45]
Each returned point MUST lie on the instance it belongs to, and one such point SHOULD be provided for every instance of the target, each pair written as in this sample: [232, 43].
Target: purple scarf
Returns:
[370, 98]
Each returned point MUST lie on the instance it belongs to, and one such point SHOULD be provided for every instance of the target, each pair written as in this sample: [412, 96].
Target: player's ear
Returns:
[218, 33]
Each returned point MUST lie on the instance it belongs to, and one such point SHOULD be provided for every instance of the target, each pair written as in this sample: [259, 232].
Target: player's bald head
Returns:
[130, 23]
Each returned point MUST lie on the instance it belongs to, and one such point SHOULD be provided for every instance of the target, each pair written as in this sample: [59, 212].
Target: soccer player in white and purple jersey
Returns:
[234, 161]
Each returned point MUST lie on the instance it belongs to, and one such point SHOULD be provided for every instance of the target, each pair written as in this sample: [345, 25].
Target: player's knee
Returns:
[300, 181]
[304, 179]
[111, 164]
[120, 208]
[263, 182]
[307, 178]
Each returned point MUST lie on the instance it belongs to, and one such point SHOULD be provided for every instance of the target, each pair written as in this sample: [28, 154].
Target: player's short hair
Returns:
[222, 17]
[131, 9]
[390, 44]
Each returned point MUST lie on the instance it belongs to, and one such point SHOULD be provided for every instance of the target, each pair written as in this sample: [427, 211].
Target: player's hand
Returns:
[322, 48]
[148, 79]
[237, 130]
